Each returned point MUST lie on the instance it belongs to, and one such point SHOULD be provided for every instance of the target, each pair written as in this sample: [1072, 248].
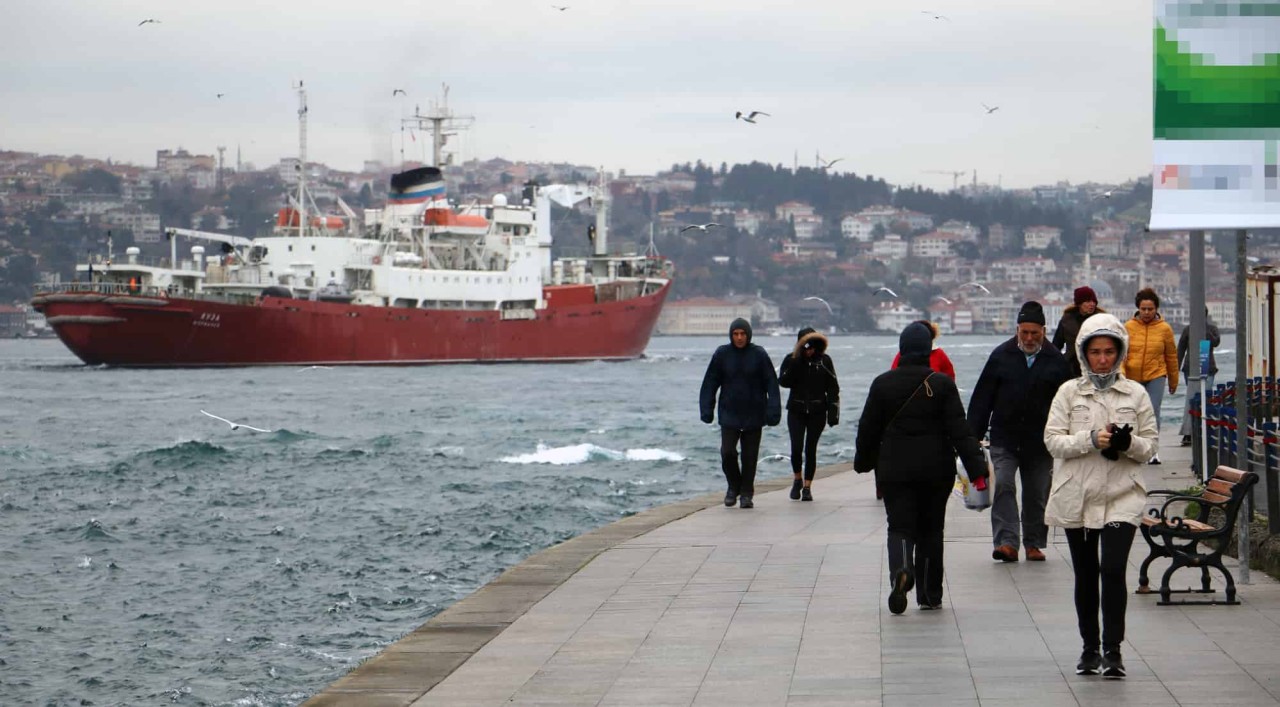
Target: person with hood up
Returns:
[1153, 356]
[911, 430]
[1186, 356]
[1103, 427]
[938, 359]
[742, 374]
[813, 404]
[1064, 337]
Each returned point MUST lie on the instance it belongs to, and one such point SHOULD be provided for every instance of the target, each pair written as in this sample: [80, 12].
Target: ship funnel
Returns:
[412, 190]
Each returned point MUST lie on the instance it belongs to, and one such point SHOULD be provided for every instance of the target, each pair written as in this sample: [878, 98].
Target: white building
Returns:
[895, 316]
[966, 231]
[857, 227]
[1041, 237]
[1022, 271]
[891, 247]
[807, 227]
[934, 245]
[789, 209]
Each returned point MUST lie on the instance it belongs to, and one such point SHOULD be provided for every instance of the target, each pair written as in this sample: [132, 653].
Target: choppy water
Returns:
[152, 555]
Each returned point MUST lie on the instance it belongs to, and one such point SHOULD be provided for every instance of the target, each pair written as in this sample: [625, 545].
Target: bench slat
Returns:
[1235, 476]
[1214, 497]
[1220, 487]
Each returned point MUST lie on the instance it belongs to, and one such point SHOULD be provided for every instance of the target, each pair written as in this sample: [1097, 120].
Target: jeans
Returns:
[1037, 476]
[1188, 422]
[742, 481]
[805, 428]
[1155, 390]
[1116, 540]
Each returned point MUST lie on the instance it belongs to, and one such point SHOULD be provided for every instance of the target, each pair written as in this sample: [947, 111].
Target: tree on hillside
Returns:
[96, 180]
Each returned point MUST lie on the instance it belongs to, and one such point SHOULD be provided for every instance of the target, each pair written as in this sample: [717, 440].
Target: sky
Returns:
[634, 85]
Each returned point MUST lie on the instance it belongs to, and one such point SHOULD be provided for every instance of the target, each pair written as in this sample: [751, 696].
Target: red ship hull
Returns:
[148, 332]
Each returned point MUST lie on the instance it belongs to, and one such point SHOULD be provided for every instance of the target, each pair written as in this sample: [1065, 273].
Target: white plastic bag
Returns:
[975, 499]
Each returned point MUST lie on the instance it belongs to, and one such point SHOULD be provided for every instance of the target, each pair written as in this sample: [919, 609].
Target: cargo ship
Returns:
[418, 281]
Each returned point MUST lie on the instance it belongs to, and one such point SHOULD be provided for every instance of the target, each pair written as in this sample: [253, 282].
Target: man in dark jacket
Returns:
[1012, 399]
[1185, 357]
[1064, 337]
[743, 374]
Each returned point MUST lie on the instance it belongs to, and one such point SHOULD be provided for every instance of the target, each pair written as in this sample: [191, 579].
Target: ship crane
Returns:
[955, 175]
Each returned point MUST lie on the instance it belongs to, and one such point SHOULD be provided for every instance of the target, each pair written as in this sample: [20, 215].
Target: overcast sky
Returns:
[622, 84]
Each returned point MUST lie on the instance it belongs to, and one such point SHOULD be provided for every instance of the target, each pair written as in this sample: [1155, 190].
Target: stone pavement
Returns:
[697, 604]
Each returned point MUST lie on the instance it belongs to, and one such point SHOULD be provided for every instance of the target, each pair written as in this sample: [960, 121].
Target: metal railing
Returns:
[1261, 444]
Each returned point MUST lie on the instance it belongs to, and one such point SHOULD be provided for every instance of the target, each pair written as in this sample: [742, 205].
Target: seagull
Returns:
[701, 227]
[827, 164]
[148, 21]
[978, 285]
[234, 425]
[990, 109]
[561, 8]
[886, 290]
[750, 117]
[316, 368]
[935, 15]
[220, 95]
[1106, 194]
[824, 302]
[940, 297]
[399, 91]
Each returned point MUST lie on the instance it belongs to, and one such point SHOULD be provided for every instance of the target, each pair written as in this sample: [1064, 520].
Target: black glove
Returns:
[1121, 439]
[707, 419]
[833, 413]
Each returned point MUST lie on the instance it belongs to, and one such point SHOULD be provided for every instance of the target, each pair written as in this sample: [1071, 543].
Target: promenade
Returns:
[785, 604]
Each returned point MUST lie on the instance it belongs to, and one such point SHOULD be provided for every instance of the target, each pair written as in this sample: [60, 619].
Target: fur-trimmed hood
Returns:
[814, 339]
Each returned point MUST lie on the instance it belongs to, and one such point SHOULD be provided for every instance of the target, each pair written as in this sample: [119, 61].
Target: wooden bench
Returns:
[1186, 541]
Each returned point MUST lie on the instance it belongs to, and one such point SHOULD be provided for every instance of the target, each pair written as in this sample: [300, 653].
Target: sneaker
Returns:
[1186, 441]
[903, 582]
[1155, 460]
[745, 502]
[796, 485]
[806, 494]
[730, 499]
[1005, 553]
[1090, 662]
[1034, 554]
[1112, 665]
[929, 607]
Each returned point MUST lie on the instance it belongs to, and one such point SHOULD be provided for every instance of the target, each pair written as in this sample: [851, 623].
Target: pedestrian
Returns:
[1011, 399]
[813, 404]
[938, 359]
[742, 374]
[911, 430]
[1103, 427]
[1153, 357]
[1064, 337]
[1185, 355]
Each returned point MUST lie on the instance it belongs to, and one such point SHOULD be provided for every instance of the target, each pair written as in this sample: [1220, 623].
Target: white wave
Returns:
[581, 453]
[85, 562]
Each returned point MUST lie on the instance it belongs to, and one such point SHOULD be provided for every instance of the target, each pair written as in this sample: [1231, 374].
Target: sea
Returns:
[152, 555]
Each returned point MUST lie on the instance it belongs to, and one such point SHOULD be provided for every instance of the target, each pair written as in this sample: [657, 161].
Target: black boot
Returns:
[796, 484]
[901, 573]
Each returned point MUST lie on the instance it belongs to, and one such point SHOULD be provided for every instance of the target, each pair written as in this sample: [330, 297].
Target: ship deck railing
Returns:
[124, 289]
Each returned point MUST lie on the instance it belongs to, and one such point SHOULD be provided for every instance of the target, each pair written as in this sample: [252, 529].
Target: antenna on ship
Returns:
[444, 124]
[652, 250]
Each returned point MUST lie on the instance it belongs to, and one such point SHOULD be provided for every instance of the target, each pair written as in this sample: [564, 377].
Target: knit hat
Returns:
[1031, 312]
[916, 341]
[1085, 294]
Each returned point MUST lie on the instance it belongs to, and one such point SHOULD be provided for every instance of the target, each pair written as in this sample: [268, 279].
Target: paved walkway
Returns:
[697, 604]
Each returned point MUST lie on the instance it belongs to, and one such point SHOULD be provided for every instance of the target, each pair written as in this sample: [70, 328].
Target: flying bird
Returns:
[220, 95]
[827, 164]
[1106, 194]
[940, 297]
[148, 21]
[887, 291]
[935, 15]
[316, 368]
[750, 117]
[561, 8]
[400, 91]
[978, 285]
[824, 302]
[235, 425]
[990, 109]
[701, 226]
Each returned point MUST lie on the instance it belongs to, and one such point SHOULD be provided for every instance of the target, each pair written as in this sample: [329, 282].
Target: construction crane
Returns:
[955, 176]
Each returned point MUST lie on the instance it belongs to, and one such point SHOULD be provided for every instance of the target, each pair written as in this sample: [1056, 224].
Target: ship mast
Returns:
[302, 159]
[444, 124]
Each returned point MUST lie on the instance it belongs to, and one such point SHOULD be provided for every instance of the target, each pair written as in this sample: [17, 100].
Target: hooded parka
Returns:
[1089, 490]
[812, 380]
[746, 383]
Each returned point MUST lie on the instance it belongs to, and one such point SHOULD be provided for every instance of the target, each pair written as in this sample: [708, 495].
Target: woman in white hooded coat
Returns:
[1103, 428]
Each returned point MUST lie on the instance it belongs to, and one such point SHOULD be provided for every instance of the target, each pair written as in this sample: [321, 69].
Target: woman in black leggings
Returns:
[813, 404]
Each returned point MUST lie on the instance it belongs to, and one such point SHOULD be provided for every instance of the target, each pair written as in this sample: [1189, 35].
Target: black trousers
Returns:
[1115, 540]
[917, 512]
[805, 428]
[742, 480]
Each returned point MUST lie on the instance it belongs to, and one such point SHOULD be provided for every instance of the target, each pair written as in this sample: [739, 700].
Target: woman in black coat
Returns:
[911, 430]
[814, 403]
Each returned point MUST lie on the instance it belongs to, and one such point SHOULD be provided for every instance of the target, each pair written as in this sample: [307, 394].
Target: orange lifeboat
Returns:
[288, 218]
[447, 217]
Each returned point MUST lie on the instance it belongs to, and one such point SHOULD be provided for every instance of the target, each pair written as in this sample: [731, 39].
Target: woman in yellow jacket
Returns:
[1153, 353]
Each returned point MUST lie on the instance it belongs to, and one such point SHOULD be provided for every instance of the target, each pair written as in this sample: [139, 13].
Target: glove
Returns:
[707, 418]
[980, 483]
[1121, 439]
[833, 413]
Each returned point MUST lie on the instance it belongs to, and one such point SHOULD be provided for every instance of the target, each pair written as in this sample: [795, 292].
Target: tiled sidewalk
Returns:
[785, 605]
